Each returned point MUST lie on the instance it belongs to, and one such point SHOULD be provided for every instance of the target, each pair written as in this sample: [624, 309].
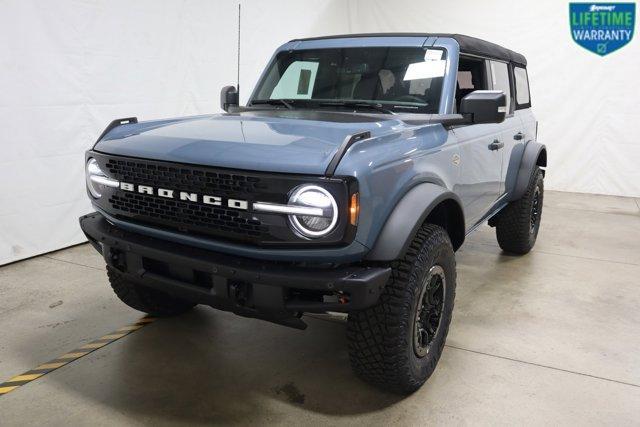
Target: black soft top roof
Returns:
[467, 44]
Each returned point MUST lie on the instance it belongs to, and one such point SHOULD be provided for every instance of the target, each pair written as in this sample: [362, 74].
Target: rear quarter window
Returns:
[523, 98]
[500, 80]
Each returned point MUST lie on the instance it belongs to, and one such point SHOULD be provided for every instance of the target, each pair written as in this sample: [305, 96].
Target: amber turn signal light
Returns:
[354, 209]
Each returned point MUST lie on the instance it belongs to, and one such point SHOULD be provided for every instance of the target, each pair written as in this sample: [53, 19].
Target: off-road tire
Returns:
[514, 229]
[146, 299]
[381, 338]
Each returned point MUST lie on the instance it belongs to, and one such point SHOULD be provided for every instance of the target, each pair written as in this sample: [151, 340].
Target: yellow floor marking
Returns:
[93, 345]
[27, 377]
[112, 336]
[54, 364]
[51, 365]
[72, 355]
[131, 328]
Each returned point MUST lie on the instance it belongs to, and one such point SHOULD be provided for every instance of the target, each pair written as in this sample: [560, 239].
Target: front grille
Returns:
[196, 218]
[187, 178]
[183, 216]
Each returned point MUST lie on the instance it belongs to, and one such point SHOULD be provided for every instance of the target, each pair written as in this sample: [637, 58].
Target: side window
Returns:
[523, 99]
[465, 80]
[297, 81]
[500, 80]
[471, 76]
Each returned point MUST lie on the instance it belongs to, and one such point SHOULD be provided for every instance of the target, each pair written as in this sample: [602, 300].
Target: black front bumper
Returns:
[274, 291]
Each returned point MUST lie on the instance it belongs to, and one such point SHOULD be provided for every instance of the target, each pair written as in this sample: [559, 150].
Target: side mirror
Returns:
[484, 106]
[229, 98]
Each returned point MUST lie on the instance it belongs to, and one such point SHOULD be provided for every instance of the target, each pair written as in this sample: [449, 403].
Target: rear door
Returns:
[529, 125]
[510, 134]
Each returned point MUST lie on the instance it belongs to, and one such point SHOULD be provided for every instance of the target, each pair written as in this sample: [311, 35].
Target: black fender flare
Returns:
[535, 154]
[405, 219]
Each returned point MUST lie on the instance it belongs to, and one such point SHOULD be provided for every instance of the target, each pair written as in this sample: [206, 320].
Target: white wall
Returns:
[588, 107]
[67, 68]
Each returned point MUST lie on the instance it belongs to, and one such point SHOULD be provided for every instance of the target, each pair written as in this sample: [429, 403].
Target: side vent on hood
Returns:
[114, 124]
[346, 144]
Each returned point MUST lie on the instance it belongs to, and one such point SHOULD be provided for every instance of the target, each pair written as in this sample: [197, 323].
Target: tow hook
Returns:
[116, 259]
[343, 298]
[239, 292]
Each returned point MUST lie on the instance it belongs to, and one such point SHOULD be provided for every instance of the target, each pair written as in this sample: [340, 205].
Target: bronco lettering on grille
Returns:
[184, 196]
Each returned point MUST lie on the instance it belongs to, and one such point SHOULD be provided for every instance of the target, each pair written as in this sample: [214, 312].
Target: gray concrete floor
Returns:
[551, 337]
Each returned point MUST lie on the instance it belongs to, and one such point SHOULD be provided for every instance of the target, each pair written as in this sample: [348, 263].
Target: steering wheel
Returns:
[410, 98]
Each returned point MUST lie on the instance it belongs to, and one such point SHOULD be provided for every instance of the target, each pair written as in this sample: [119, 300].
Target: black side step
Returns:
[115, 124]
[348, 142]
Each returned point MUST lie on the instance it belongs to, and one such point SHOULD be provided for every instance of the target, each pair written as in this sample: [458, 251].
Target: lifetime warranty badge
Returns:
[602, 27]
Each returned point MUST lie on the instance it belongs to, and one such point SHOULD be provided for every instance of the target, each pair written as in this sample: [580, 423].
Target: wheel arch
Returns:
[535, 155]
[424, 203]
[541, 160]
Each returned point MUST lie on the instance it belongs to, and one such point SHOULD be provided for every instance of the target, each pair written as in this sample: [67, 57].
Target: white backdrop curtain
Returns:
[67, 68]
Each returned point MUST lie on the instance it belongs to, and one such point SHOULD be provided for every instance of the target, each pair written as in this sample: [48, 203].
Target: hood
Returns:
[292, 141]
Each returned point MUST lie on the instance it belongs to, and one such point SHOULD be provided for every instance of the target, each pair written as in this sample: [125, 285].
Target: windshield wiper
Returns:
[357, 104]
[286, 103]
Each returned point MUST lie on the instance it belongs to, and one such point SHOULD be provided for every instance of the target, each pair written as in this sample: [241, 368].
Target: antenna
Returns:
[238, 76]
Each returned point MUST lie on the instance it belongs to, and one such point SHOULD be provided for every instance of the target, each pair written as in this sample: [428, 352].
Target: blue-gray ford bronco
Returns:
[346, 183]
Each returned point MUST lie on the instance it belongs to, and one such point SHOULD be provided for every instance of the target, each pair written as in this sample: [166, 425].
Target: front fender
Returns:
[405, 219]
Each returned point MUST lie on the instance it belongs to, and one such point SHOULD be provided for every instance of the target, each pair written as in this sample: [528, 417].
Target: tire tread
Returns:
[377, 336]
[513, 223]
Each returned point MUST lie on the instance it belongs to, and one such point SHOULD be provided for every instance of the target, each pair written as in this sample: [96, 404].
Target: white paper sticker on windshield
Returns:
[425, 70]
[433, 55]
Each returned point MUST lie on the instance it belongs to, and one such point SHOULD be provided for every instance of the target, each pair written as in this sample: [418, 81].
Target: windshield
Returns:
[402, 79]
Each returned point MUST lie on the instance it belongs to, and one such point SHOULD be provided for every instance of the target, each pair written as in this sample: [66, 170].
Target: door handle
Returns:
[496, 145]
[518, 136]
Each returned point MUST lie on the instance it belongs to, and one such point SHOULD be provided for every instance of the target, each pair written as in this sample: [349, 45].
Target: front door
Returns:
[480, 169]
[480, 152]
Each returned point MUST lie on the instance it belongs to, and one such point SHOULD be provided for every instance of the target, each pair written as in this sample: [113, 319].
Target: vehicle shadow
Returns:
[208, 366]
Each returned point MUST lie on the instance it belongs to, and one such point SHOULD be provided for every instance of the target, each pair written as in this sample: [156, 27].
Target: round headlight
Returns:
[97, 180]
[319, 224]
